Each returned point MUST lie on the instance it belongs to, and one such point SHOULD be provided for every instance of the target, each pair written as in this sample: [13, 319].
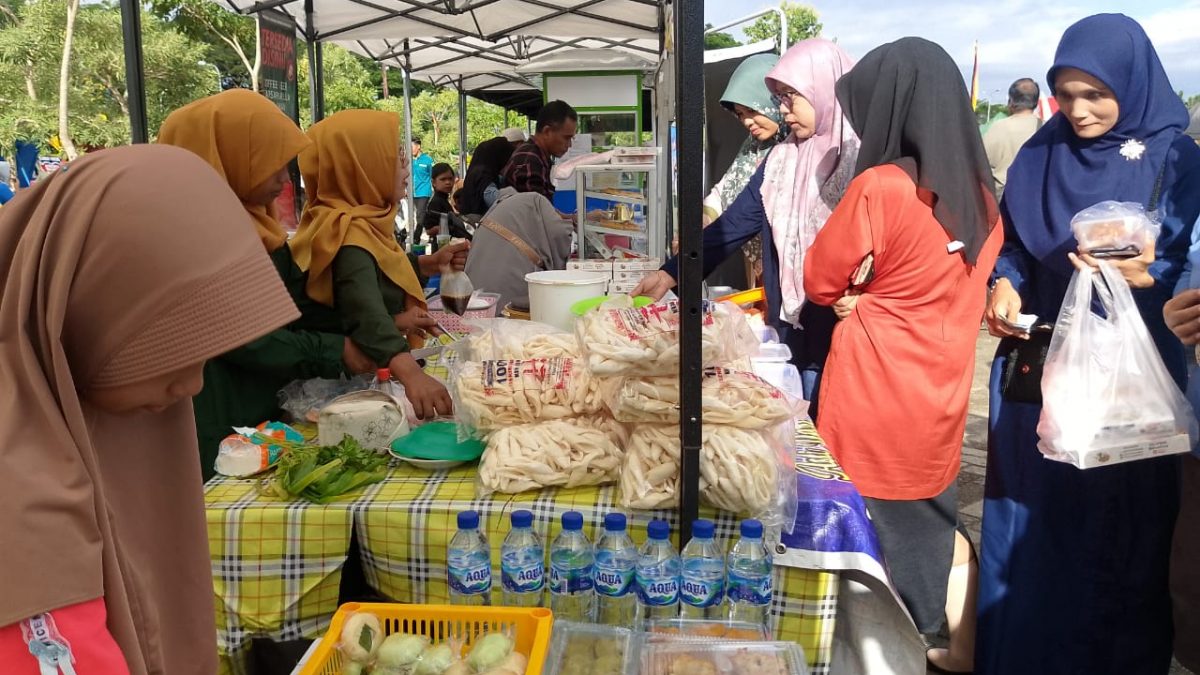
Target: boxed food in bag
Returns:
[1114, 229]
[1107, 397]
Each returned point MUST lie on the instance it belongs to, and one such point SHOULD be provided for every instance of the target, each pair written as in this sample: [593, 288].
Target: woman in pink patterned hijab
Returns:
[807, 174]
[787, 201]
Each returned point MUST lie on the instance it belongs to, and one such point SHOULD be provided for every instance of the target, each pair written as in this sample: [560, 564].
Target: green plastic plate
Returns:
[437, 441]
[584, 306]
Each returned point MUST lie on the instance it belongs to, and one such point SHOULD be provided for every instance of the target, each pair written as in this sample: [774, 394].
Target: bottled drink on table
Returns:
[658, 574]
[616, 559]
[522, 563]
[750, 569]
[702, 585]
[571, 564]
[469, 563]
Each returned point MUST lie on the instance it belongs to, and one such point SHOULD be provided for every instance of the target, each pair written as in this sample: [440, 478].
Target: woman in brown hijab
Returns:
[249, 142]
[119, 276]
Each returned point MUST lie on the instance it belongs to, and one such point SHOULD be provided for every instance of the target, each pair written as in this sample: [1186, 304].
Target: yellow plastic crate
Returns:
[530, 627]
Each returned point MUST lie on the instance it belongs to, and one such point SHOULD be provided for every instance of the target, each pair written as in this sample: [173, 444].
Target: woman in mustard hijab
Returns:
[355, 174]
[250, 142]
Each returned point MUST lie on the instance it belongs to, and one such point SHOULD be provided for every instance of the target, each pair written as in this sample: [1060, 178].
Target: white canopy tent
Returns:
[475, 46]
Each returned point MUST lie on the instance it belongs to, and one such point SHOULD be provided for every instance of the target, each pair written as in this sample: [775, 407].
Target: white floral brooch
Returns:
[1133, 149]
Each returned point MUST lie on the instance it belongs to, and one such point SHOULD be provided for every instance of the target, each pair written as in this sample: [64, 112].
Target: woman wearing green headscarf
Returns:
[748, 98]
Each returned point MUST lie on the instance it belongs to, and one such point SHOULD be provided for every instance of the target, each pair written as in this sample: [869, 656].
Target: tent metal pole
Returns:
[408, 138]
[462, 129]
[320, 80]
[689, 97]
[315, 88]
[135, 78]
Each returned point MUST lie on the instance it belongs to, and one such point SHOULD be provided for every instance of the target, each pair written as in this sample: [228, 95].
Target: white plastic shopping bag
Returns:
[1106, 395]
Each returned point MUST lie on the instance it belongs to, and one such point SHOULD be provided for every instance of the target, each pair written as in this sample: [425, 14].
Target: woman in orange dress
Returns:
[922, 213]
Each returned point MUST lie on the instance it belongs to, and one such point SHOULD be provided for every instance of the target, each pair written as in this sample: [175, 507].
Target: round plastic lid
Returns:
[572, 520]
[614, 522]
[383, 374]
[522, 518]
[468, 520]
[702, 529]
[659, 529]
[751, 529]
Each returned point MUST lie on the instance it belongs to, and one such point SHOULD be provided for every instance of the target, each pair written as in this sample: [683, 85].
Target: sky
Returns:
[1016, 38]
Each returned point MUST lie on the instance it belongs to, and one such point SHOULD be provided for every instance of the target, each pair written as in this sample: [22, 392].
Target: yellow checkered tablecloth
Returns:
[277, 565]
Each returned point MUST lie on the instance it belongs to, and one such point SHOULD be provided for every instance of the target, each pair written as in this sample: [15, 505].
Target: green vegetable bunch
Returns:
[322, 473]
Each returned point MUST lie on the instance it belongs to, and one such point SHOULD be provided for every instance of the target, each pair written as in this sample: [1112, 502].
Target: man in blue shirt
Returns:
[422, 180]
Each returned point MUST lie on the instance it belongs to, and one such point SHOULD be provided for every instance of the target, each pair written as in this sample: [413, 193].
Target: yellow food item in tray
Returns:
[592, 655]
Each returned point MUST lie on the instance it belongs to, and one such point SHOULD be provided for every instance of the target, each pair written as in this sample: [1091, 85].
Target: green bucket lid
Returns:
[584, 306]
[438, 441]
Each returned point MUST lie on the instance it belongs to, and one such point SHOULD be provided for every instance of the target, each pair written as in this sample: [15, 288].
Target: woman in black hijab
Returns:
[482, 181]
[905, 260]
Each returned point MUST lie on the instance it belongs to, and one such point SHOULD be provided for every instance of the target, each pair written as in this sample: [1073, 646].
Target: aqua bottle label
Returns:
[565, 579]
[529, 578]
[755, 591]
[471, 580]
[702, 592]
[658, 592]
[610, 580]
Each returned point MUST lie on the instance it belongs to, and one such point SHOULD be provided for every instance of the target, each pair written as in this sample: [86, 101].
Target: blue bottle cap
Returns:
[702, 529]
[659, 529]
[614, 522]
[468, 520]
[521, 518]
[572, 520]
[751, 529]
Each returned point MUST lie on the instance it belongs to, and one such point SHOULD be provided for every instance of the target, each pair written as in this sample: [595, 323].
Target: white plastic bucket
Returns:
[552, 293]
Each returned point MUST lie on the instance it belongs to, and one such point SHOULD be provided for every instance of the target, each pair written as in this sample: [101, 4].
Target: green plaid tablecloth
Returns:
[277, 565]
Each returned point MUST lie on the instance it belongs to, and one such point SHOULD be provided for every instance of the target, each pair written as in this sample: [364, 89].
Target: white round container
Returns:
[553, 292]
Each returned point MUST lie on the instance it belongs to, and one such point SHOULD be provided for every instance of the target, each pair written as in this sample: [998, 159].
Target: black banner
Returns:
[277, 81]
[277, 72]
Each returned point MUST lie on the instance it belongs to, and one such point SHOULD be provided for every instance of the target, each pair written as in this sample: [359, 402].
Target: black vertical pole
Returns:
[135, 79]
[316, 71]
[689, 116]
[320, 80]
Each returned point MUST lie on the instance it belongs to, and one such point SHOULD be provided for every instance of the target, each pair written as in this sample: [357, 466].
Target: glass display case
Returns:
[616, 211]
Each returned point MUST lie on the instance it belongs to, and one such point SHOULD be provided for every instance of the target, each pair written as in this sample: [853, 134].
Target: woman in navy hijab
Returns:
[1073, 567]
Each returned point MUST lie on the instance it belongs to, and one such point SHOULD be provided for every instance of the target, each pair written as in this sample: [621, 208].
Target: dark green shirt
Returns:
[241, 387]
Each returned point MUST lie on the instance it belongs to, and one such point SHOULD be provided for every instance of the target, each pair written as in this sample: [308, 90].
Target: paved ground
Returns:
[974, 463]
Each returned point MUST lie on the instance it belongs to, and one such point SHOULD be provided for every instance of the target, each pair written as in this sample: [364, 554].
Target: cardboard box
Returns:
[629, 277]
[645, 265]
[602, 266]
[1104, 455]
[621, 288]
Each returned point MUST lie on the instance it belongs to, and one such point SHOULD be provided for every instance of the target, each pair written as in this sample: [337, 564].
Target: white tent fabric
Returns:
[739, 52]
[470, 55]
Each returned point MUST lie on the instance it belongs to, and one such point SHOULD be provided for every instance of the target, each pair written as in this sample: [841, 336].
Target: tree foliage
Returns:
[803, 23]
[229, 40]
[30, 57]
[718, 40]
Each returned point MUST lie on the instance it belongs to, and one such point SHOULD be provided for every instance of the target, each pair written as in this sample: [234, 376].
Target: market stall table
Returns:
[277, 566]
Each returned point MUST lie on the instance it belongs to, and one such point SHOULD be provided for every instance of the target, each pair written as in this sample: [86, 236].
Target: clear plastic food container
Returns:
[668, 630]
[723, 658]
[591, 649]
